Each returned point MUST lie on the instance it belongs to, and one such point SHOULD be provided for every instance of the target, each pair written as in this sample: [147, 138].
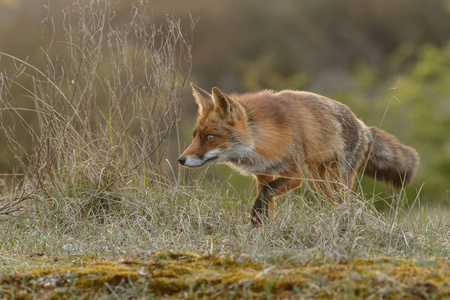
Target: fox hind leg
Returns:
[322, 182]
[333, 181]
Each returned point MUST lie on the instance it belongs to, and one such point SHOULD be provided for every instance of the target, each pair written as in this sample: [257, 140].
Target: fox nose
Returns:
[182, 159]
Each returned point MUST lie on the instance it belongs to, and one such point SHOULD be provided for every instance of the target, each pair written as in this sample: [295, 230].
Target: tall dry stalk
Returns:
[101, 104]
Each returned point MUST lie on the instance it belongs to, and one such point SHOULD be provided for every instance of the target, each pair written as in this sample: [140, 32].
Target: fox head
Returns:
[221, 130]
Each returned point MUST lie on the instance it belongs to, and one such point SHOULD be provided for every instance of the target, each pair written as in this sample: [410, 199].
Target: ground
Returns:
[174, 275]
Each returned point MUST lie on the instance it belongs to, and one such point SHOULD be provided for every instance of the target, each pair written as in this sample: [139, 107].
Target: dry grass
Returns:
[104, 103]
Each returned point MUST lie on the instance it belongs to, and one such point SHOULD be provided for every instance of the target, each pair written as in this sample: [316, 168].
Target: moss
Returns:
[181, 275]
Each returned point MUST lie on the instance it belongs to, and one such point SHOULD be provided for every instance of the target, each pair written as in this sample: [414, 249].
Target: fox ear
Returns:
[225, 106]
[203, 99]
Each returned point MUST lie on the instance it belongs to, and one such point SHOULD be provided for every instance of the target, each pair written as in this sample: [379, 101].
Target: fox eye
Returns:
[208, 137]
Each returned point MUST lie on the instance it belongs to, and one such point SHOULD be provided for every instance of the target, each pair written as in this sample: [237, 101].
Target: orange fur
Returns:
[279, 136]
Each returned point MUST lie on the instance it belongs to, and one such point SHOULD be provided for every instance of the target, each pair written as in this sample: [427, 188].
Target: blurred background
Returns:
[388, 60]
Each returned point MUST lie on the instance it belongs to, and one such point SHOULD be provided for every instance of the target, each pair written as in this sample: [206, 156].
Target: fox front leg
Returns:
[268, 189]
[264, 204]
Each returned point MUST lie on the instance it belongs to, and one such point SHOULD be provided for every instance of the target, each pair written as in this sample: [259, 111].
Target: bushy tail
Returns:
[389, 160]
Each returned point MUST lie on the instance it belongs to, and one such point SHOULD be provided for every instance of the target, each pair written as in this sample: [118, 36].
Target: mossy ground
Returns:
[179, 275]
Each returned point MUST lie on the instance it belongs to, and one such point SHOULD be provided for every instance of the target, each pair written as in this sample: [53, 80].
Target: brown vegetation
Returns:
[191, 276]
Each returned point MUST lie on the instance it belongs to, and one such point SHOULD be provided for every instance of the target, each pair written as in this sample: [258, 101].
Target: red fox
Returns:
[280, 136]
